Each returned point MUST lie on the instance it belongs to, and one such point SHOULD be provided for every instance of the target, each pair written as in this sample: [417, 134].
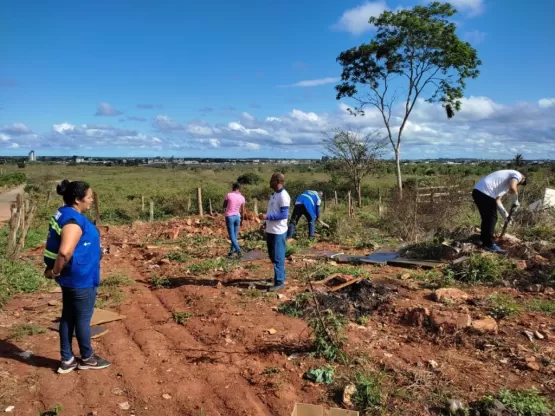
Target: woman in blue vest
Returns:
[72, 257]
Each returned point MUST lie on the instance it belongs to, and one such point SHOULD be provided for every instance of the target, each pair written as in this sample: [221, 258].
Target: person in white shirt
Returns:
[487, 195]
[276, 228]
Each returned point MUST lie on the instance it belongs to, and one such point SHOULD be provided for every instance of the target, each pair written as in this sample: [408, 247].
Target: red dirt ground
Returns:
[224, 361]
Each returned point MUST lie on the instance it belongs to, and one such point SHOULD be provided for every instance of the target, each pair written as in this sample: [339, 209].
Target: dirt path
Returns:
[6, 200]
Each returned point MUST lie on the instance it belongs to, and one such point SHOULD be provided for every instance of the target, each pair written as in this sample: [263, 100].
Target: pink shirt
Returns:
[234, 201]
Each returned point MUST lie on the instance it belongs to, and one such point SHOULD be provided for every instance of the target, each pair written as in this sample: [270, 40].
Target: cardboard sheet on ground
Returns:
[381, 256]
[413, 263]
[102, 316]
[302, 409]
[548, 201]
[96, 331]
[323, 254]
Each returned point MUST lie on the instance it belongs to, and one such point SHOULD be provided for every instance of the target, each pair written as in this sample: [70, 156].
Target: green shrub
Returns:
[478, 268]
[368, 395]
[249, 178]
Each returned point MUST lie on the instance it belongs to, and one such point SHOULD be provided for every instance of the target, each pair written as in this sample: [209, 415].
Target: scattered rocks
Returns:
[54, 303]
[9, 409]
[449, 321]
[455, 407]
[451, 295]
[165, 261]
[417, 316]
[166, 396]
[531, 364]
[538, 335]
[534, 288]
[271, 331]
[117, 391]
[530, 335]
[485, 325]
[348, 394]
[124, 405]
[433, 364]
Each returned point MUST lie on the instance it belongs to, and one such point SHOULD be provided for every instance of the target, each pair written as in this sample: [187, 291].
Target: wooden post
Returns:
[359, 191]
[21, 206]
[256, 207]
[96, 209]
[210, 207]
[349, 203]
[13, 231]
[189, 204]
[25, 230]
[336, 201]
[380, 208]
[48, 196]
[142, 203]
[151, 211]
[199, 197]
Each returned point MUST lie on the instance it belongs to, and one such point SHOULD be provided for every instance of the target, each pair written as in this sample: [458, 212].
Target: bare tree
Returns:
[355, 154]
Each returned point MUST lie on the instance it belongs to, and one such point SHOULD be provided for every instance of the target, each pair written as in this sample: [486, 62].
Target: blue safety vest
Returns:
[83, 269]
[311, 200]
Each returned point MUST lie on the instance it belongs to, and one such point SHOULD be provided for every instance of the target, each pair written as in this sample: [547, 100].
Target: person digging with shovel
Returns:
[487, 195]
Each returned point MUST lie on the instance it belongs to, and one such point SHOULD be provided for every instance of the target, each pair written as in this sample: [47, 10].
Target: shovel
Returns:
[507, 221]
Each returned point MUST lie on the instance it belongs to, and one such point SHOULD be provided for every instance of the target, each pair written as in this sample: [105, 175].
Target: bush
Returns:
[249, 178]
[478, 268]
[12, 179]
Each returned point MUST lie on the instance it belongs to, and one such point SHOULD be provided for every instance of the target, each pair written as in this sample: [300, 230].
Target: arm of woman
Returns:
[71, 233]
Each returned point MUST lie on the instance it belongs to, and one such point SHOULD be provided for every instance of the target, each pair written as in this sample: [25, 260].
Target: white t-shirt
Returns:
[496, 184]
[276, 202]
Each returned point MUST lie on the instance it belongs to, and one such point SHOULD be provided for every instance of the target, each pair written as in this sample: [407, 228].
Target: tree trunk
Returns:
[398, 171]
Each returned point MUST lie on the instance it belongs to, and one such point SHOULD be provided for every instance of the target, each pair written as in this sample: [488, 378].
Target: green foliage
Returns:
[12, 179]
[178, 256]
[249, 178]
[478, 268]
[543, 306]
[55, 411]
[17, 332]
[368, 395]
[503, 306]
[518, 161]
[328, 330]
[208, 265]
[181, 317]
[19, 277]
[110, 293]
[523, 402]
[321, 374]
[296, 307]
[159, 282]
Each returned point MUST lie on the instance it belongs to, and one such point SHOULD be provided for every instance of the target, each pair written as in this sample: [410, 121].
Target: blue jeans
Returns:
[233, 222]
[77, 311]
[276, 251]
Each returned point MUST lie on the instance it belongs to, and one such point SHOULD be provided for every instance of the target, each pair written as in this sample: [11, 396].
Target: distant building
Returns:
[32, 157]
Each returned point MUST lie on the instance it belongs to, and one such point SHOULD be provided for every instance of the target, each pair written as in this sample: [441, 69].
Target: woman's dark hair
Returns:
[236, 186]
[72, 191]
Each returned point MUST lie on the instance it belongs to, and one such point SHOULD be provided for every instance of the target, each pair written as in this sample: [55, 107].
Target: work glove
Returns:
[503, 212]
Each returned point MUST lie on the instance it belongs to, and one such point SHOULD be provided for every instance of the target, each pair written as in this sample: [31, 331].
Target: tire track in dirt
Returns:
[161, 342]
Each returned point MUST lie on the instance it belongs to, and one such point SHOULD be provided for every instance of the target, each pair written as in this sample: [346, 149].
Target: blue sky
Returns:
[189, 79]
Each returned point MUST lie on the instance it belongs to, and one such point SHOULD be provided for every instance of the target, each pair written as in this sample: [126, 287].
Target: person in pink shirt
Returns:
[234, 204]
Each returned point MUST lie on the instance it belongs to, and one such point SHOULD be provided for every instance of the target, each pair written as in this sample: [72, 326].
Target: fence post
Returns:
[349, 203]
[256, 207]
[210, 207]
[96, 209]
[189, 204]
[13, 230]
[380, 208]
[142, 203]
[48, 196]
[336, 201]
[151, 210]
[199, 197]
[25, 230]
[359, 191]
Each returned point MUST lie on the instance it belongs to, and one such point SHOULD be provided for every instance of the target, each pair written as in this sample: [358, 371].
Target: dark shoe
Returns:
[65, 368]
[276, 288]
[93, 363]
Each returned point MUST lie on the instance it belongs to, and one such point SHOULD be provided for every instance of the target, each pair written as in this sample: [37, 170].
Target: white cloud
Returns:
[4, 137]
[313, 82]
[60, 128]
[247, 116]
[105, 109]
[14, 146]
[474, 37]
[16, 129]
[165, 123]
[302, 116]
[472, 7]
[355, 20]
[546, 102]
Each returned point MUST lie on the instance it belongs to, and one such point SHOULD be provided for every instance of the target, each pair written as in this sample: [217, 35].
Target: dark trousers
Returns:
[488, 212]
[298, 212]
[77, 311]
